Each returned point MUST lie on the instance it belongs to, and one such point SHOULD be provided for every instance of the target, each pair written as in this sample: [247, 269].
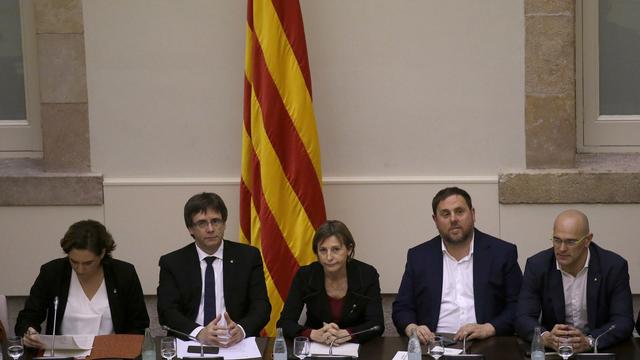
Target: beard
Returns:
[460, 239]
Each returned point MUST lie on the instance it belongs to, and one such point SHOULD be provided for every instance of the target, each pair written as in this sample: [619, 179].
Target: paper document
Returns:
[68, 345]
[348, 349]
[68, 342]
[246, 349]
[402, 355]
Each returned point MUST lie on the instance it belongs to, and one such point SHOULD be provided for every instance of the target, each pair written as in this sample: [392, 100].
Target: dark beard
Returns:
[466, 236]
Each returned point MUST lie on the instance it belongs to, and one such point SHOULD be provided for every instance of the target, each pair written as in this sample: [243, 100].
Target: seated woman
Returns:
[100, 296]
[342, 294]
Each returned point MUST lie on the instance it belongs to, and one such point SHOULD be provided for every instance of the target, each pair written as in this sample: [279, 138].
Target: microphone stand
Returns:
[464, 355]
[55, 317]
[343, 357]
[53, 338]
[595, 354]
[165, 327]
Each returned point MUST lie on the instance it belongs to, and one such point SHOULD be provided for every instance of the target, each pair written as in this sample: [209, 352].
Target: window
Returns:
[608, 65]
[20, 131]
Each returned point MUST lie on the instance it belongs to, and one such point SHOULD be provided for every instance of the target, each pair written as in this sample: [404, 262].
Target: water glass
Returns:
[168, 347]
[15, 349]
[436, 347]
[565, 348]
[301, 347]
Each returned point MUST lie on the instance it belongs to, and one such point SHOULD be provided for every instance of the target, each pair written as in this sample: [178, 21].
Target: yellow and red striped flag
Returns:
[281, 202]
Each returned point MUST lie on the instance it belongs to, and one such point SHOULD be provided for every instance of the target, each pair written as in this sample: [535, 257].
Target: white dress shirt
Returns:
[217, 273]
[457, 306]
[575, 295]
[83, 316]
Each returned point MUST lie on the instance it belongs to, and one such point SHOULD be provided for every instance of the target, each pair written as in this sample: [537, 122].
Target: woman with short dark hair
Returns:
[96, 294]
[342, 294]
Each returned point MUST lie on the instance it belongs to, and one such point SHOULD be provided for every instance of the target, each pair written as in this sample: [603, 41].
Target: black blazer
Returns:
[609, 298]
[126, 301]
[245, 292]
[496, 282]
[362, 307]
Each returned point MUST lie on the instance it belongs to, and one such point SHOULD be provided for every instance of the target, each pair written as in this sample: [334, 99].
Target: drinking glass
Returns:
[565, 349]
[15, 349]
[436, 347]
[168, 347]
[301, 347]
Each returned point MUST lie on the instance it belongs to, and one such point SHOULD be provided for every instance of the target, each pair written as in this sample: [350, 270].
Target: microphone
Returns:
[373, 328]
[165, 327]
[464, 343]
[464, 355]
[595, 354]
[55, 318]
[595, 342]
[210, 349]
[53, 338]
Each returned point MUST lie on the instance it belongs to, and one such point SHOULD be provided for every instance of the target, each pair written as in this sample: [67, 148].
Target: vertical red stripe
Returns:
[291, 18]
[278, 258]
[286, 142]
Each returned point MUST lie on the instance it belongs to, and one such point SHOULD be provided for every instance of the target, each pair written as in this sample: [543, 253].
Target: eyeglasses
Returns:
[203, 224]
[569, 242]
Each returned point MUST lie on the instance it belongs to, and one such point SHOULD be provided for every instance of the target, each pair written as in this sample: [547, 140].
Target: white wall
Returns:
[424, 89]
[410, 96]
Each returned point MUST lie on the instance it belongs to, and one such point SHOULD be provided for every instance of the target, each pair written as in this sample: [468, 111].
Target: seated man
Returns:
[463, 281]
[581, 289]
[212, 289]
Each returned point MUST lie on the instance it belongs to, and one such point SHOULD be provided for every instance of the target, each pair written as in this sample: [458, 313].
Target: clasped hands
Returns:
[31, 339]
[328, 333]
[472, 331]
[222, 334]
[577, 339]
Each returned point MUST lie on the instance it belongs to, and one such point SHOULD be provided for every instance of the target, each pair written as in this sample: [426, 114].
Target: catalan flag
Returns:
[281, 202]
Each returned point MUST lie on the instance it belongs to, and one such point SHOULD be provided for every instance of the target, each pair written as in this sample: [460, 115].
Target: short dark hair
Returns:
[339, 230]
[88, 235]
[200, 203]
[446, 192]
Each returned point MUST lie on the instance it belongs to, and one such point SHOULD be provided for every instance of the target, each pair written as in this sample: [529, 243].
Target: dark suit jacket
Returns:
[496, 282]
[126, 301]
[362, 307]
[245, 292]
[608, 296]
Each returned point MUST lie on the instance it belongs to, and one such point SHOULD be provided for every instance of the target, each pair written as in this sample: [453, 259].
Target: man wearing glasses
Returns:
[581, 290]
[212, 289]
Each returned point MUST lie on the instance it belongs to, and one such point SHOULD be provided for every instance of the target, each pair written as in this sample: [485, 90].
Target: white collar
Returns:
[218, 254]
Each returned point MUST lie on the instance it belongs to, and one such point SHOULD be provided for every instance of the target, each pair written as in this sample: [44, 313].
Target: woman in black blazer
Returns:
[88, 246]
[342, 294]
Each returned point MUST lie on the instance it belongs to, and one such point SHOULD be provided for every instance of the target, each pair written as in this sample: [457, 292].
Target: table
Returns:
[494, 348]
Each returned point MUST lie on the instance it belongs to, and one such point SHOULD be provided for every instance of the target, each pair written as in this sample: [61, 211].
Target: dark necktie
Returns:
[209, 291]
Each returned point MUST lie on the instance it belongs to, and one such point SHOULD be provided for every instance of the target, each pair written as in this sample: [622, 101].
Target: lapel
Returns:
[354, 287]
[594, 279]
[193, 276]
[481, 268]
[229, 260]
[556, 291]
[63, 295]
[432, 267]
[112, 291]
[58, 286]
[317, 298]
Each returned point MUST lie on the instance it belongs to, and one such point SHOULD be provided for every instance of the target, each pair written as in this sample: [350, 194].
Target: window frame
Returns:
[23, 137]
[595, 132]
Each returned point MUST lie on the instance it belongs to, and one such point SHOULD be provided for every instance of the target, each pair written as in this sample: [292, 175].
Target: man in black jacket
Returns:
[212, 289]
